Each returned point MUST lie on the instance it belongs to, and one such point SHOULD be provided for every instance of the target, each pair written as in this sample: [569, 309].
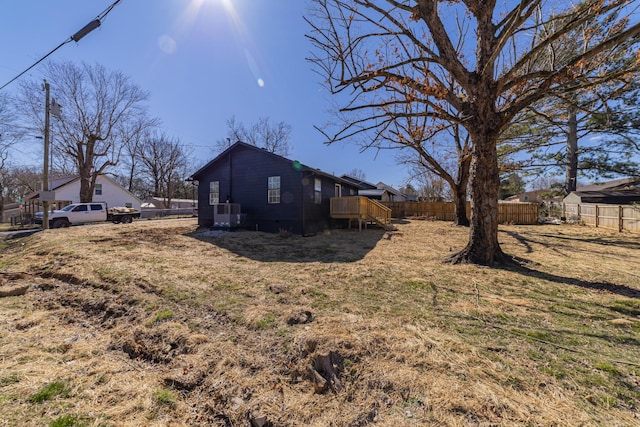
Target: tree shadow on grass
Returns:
[521, 239]
[605, 286]
[598, 240]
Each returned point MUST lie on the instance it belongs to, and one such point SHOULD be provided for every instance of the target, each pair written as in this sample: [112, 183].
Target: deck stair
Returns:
[361, 209]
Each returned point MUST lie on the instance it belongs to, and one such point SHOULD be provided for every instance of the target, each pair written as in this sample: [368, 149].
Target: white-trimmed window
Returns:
[214, 192]
[273, 192]
[98, 190]
[317, 191]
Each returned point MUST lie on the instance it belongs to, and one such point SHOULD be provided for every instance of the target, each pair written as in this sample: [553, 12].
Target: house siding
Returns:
[316, 215]
[112, 193]
[243, 173]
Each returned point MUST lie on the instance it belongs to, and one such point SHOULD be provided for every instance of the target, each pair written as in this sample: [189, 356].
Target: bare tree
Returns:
[357, 174]
[96, 105]
[439, 155]
[163, 161]
[473, 63]
[135, 132]
[18, 181]
[430, 186]
[8, 136]
[273, 137]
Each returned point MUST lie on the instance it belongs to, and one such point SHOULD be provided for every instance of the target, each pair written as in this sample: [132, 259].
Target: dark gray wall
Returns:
[243, 174]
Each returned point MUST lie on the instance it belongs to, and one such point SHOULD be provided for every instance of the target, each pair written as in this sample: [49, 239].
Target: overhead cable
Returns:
[76, 37]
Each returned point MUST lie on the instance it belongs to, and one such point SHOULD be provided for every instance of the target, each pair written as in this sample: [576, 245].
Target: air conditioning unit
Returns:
[227, 215]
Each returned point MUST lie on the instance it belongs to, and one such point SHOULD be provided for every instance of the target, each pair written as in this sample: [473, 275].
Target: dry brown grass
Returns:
[156, 323]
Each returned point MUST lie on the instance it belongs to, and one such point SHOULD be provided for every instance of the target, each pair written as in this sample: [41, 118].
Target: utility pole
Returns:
[45, 174]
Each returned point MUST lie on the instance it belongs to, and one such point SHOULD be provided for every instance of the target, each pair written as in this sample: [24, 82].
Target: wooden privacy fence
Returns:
[613, 217]
[508, 213]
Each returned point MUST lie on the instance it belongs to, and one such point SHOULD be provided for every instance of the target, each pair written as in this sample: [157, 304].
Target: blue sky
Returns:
[203, 61]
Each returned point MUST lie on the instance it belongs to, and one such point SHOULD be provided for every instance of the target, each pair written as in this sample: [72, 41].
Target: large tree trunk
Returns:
[460, 201]
[85, 154]
[483, 247]
[460, 188]
[86, 192]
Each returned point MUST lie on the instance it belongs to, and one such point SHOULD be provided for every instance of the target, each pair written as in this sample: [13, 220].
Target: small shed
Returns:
[273, 193]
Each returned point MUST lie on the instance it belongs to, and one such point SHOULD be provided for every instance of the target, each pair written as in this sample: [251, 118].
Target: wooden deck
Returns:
[361, 209]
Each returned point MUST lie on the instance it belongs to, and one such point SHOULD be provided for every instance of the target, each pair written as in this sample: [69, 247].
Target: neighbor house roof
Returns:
[534, 196]
[610, 197]
[390, 189]
[54, 183]
[60, 182]
[150, 202]
[377, 192]
[616, 184]
[360, 183]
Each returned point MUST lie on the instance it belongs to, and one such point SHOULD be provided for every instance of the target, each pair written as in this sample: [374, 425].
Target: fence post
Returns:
[620, 218]
[597, 215]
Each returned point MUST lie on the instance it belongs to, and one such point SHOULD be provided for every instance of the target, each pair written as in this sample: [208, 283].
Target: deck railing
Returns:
[361, 209]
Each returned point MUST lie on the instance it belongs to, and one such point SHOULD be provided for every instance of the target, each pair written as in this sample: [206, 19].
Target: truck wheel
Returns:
[126, 219]
[59, 223]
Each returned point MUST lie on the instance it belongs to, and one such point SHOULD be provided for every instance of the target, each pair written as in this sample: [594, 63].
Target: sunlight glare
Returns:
[240, 32]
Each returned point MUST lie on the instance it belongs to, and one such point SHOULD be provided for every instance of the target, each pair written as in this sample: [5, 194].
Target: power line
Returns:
[76, 37]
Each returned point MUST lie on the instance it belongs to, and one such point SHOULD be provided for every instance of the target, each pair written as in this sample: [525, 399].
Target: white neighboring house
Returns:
[67, 190]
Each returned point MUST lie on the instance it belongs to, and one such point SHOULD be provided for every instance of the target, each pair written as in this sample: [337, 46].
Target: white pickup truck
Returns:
[83, 213]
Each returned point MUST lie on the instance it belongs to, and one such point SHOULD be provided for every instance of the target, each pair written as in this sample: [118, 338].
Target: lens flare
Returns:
[167, 44]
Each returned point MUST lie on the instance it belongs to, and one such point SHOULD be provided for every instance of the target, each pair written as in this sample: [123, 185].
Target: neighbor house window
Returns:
[317, 191]
[273, 193]
[214, 192]
[98, 189]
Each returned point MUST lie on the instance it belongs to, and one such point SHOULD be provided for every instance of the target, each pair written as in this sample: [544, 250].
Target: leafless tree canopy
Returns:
[135, 132]
[8, 136]
[96, 104]
[357, 173]
[477, 64]
[273, 137]
[163, 161]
